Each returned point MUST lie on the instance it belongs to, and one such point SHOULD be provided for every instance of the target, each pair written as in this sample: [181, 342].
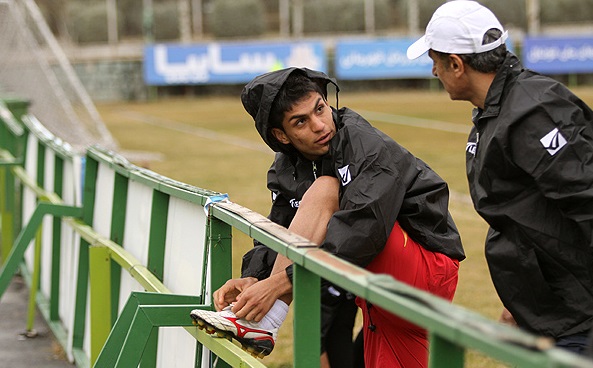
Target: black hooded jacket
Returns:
[381, 183]
[530, 171]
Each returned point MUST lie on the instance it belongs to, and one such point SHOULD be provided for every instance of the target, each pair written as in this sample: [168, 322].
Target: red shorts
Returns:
[396, 342]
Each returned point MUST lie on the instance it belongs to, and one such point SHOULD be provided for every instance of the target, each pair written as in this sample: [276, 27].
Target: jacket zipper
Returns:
[314, 170]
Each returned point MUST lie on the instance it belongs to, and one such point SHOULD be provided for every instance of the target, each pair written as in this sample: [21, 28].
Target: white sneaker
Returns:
[257, 341]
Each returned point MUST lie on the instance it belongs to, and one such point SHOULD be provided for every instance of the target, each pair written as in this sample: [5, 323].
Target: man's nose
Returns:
[317, 124]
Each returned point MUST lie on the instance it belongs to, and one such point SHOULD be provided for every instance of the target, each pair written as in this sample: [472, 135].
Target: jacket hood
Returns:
[259, 95]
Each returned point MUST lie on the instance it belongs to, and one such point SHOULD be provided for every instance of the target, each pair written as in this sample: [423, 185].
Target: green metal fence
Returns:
[113, 258]
[85, 257]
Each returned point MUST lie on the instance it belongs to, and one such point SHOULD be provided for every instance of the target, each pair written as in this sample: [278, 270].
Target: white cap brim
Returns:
[417, 49]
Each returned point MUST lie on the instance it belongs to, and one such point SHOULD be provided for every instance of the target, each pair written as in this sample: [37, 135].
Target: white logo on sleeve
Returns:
[471, 147]
[345, 176]
[553, 141]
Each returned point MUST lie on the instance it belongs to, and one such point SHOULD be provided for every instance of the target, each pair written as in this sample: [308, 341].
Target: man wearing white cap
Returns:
[530, 171]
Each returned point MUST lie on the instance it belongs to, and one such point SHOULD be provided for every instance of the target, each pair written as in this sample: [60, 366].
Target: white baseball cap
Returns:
[458, 27]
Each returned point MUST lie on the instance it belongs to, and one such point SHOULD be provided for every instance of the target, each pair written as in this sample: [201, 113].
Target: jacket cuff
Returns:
[289, 273]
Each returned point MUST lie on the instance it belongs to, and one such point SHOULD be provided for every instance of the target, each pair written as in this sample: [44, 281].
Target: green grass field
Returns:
[210, 142]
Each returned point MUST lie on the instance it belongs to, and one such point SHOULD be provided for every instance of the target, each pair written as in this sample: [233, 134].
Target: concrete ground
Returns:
[16, 350]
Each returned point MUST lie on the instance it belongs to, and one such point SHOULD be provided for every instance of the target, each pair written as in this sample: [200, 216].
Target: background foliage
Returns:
[232, 18]
[86, 20]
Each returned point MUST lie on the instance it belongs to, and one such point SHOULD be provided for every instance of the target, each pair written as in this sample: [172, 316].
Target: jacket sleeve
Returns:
[553, 143]
[259, 261]
[381, 182]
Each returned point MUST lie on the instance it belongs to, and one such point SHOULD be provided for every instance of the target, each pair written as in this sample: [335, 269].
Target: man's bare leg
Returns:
[310, 221]
[318, 205]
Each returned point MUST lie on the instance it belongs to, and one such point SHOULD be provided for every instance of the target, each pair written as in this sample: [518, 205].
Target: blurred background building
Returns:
[105, 39]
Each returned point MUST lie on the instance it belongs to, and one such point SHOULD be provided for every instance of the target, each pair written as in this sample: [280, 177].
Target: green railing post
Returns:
[307, 318]
[54, 314]
[156, 264]
[7, 212]
[444, 353]
[138, 343]
[135, 341]
[220, 245]
[110, 352]
[90, 179]
[100, 298]
[8, 204]
[12, 139]
[118, 224]
[34, 281]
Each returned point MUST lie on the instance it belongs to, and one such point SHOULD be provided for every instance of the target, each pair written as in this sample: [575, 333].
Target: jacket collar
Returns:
[510, 67]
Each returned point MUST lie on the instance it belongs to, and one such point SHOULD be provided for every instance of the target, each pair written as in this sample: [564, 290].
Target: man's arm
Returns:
[382, 183]
[563, 173]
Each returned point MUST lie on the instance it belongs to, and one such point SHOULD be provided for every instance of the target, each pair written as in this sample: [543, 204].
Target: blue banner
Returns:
[381, 59]
[558, 55]
[217, 63]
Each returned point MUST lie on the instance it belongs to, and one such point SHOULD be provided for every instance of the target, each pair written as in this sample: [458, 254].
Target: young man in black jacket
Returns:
[360, 195]
[530, 171]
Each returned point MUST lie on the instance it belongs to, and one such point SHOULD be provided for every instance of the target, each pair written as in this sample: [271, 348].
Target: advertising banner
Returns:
[558, 55]
[379, 59]
[217, 63]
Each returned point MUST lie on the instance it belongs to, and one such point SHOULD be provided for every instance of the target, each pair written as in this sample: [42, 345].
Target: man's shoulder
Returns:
[349, 117]
[361, 141]
[538, 84]
[533, 89]
[281, 165]
[528, 91]
[355, 126]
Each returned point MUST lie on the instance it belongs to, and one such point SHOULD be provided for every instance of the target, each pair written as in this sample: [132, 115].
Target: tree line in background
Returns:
[85, 21]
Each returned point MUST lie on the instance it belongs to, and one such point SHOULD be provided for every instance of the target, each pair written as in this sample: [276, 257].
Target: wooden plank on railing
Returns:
[262, 226]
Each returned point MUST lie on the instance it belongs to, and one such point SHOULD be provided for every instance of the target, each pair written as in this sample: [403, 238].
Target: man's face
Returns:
[308, 126]
[443, 69]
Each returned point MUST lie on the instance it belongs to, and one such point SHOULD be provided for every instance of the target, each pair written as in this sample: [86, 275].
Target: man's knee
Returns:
[322, 194]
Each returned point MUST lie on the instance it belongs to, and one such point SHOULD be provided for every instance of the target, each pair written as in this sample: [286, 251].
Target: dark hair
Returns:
[484, 62]
[296, 87]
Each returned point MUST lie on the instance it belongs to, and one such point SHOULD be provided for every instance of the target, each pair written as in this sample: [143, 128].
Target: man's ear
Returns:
[456, 64]
[280, 136]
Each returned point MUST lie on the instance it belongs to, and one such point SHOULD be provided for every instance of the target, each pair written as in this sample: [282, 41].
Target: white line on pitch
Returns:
[199, 132]
[415, 122]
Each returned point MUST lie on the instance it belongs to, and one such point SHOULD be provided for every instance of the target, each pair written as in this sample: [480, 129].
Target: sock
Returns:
[275, 316]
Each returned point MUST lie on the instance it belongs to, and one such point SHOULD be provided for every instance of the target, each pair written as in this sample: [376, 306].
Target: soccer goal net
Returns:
[33, 67]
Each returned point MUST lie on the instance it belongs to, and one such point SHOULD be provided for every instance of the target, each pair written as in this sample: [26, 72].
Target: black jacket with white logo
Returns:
[381, 182]
[530, 172]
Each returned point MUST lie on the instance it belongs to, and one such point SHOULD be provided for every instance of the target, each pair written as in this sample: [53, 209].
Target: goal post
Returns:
[33, 66]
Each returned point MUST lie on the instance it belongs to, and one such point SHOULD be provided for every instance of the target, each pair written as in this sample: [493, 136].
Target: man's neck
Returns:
[481, 83]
